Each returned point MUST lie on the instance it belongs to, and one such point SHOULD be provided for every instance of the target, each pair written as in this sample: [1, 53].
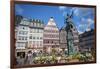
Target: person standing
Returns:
[29, 57]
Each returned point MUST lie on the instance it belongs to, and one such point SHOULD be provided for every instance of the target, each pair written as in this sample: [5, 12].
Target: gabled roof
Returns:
[51, 21]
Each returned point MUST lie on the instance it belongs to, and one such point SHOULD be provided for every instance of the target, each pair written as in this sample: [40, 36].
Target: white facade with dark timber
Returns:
[51, 35]
[63, 38]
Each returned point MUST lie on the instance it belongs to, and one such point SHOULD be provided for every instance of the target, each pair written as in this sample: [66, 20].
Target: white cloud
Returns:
[89, 20]
[64, 13]
[79, 11]
[82, 19]
[80, 32]
[85, 24]
[81, 27]
[85, 11]
[88, 29]
[62, 8]
[76, 11]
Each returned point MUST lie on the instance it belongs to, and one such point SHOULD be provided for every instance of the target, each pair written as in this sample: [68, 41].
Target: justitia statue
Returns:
[70, 34]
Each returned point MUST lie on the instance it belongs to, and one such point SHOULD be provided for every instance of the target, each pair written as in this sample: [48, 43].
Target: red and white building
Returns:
[51, 36]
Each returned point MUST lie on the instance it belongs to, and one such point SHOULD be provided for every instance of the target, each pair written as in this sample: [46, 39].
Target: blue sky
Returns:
[82, 17]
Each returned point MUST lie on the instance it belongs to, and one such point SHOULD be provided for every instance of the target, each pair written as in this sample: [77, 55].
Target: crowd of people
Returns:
[27, 59]
[30, 56]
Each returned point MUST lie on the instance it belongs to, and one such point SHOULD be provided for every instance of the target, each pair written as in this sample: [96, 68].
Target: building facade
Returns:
[63, 38]
[51, 35]
[28, 35]
[87, 41]
[35, 41]
[21, 36]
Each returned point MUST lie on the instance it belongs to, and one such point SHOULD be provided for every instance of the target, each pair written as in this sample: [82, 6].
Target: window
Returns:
[40, 31]
[37, 37]
[74, 29]
[19, 38]
[22, 38]
[19, 32]
[25, 38]
[30, 31]
[40, 37]
[23, 32]
[33, 37]
[30, 37]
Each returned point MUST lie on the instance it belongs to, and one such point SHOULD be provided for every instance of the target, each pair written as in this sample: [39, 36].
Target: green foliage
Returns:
[82, 57]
